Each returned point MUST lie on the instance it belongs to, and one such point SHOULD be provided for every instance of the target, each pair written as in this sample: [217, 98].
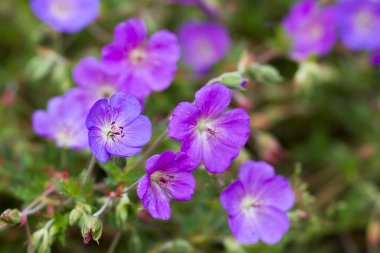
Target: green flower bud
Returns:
[233, 80]
[265, 74]
[91, 229]
[43, 238]
[120, 162]
[74, 216]
[10, 216]
[122, 210]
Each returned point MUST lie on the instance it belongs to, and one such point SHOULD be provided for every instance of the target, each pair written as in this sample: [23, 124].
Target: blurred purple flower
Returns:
[208, 133]
[359, 24]
[257, 203]
[311, 29]
[68, 16]
[169, 175]
[64, 122]
[95, 81]
[203, 44]
[376, 59]
[117, 128]
[145, 66]
[184, 1]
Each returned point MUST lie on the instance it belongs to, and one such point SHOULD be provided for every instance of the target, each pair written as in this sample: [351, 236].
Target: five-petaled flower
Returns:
[95, 81]
[208, 133]
[117, 128]
[257, 203]
[145, 66]
[169, 175]
[311, 29]
[203, 44]
[67, 16]
[359, 24]
[64, 122]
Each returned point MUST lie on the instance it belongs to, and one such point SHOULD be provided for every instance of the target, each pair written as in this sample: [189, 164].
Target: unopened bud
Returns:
[122, 210]
[40, 240]
[265, 74]
[74, 216]
[233, 80]
[10, 216]
[77, 213]
[91, 229]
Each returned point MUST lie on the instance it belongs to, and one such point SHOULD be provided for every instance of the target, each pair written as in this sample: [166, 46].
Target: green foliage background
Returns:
[328, 123]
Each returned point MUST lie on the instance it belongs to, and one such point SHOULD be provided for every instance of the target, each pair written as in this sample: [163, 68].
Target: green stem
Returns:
[114, 242]
[89, 169]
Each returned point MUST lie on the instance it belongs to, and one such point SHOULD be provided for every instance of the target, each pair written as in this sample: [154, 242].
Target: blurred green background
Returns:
[320, 127]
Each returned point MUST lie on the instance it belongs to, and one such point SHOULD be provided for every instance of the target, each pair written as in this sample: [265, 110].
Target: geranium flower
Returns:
[359, 24]
[117, 128]
[64, 122]
[311, 29]
[68, 16]
[207, 132]
[257, 203]
[203, 44]
[144, 65]
[95, 81]
[169, 176]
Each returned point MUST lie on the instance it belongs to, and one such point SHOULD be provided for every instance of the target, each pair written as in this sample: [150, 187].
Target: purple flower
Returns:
[203, 44]
[117, 128]
[359, 24]
[67, 16]
[95, 81]
[64, 122]
[208, 133]
[187, 2]
[257, 203]
[376, 59]
[145, 66]
[169, 175]
[311, 29]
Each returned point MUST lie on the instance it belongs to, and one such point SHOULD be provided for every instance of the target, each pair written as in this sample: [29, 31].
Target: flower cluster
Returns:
[104, 113]
[313, 28]
[130, 65]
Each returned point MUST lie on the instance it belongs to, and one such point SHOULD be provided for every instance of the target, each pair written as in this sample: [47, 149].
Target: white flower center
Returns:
[106, 91]
[364, 19]
[61, 9]
[137, 56]
[249, 204]
[65, 135]
[316, 31]
[204, 48]
[162, 179]
[206, 128]
[113, 132]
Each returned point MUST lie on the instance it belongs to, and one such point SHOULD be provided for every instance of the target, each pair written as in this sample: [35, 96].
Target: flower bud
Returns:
[77, 213]
[40, 240]
[120, 162]
[91, 229]
[122, 210]
[74, 216]
[265, 74]
[10, 216]
[310, 74]
[233, 80]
